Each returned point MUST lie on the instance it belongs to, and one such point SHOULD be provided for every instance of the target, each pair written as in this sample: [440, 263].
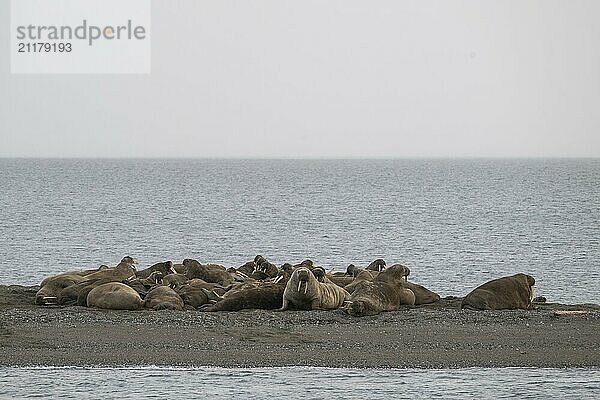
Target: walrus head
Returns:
[129, 260]
[350, 269]
[287, 267]
[319, 273]
[304, 277]
[259, 259]
[156, 277]
[396, 272]
[377, 265]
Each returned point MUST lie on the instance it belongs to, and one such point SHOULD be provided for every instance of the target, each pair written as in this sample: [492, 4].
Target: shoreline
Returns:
[430, 336]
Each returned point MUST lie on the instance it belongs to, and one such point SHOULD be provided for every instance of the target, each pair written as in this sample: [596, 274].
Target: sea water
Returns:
[455, 223]
[299, 383]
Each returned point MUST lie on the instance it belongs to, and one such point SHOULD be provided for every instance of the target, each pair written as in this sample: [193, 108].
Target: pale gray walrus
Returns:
[304, 292]
[509, 292]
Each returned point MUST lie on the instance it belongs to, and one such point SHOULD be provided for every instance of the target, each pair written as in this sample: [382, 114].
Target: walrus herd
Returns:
[260, 284]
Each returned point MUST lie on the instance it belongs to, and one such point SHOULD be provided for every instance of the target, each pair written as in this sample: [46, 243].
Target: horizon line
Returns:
[291, 158]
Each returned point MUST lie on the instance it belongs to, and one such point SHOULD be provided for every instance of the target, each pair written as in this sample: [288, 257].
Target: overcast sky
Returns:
[321, 78]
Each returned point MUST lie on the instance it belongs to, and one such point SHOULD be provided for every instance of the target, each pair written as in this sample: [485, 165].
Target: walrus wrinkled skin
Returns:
[175, 279]
[361, 275]
[304, 292]
[77, 294]
[165, 268]
[377, 265]
[163, 298]
[212, 273]
[193, 295]
[387, 292]
[124, 270]
[264, 295]
[114, 296]
[52, 287]
[507, 293]
[422, 294]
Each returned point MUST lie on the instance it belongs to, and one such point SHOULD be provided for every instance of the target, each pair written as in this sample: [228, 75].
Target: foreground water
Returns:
[456, 223]
[298, 383]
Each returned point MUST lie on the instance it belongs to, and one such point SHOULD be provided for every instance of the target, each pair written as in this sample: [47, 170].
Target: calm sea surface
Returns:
[455, 223]
[298, 383]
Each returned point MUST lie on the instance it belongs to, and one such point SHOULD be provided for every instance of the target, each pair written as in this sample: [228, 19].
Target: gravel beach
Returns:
[432, 336]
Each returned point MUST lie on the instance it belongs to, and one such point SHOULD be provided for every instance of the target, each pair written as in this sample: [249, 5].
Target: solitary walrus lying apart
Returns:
[387, 292]
[304, 292]
[507, 293]
[114, 296]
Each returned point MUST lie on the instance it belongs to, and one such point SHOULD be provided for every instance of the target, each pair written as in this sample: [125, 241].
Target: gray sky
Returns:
[321, 78]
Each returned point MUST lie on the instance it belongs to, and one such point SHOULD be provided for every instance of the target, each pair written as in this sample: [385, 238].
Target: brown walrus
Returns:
[422, 294]
[377, 265]
[212, 273]
[52, 287]
[124, 270]
[114, 296]
[507, 293]
[77, 294]
[162, 298]
[264, 295]
[387, 292]
[193, 295]
[165, 268]
[303, 291]
[360, 275]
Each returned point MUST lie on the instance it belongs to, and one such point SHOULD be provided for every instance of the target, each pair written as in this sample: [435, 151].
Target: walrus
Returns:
[387, 292]
[175, 279]
[342, 278]
[377, 265]
[77, 294]
[268, 268]
[212, 273]
[165, 268]
[507, 293]
[51, 288]
[124, 270]
[247, 269]
[71, 273]
[142, 286]
[114, 296]
[303, 291]
[193, 295]
[422, 294]
[163, 298]
[360, 275]
[265, 295]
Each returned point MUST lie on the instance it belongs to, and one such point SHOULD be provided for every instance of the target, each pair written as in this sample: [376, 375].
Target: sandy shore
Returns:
[435, 336]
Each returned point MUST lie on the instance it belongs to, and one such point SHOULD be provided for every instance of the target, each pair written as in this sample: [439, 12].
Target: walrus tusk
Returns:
[299, 284]
[305, 287]
[49, 297]
[131, 277]
[173, 270]
[242, 274]
[279, 278]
